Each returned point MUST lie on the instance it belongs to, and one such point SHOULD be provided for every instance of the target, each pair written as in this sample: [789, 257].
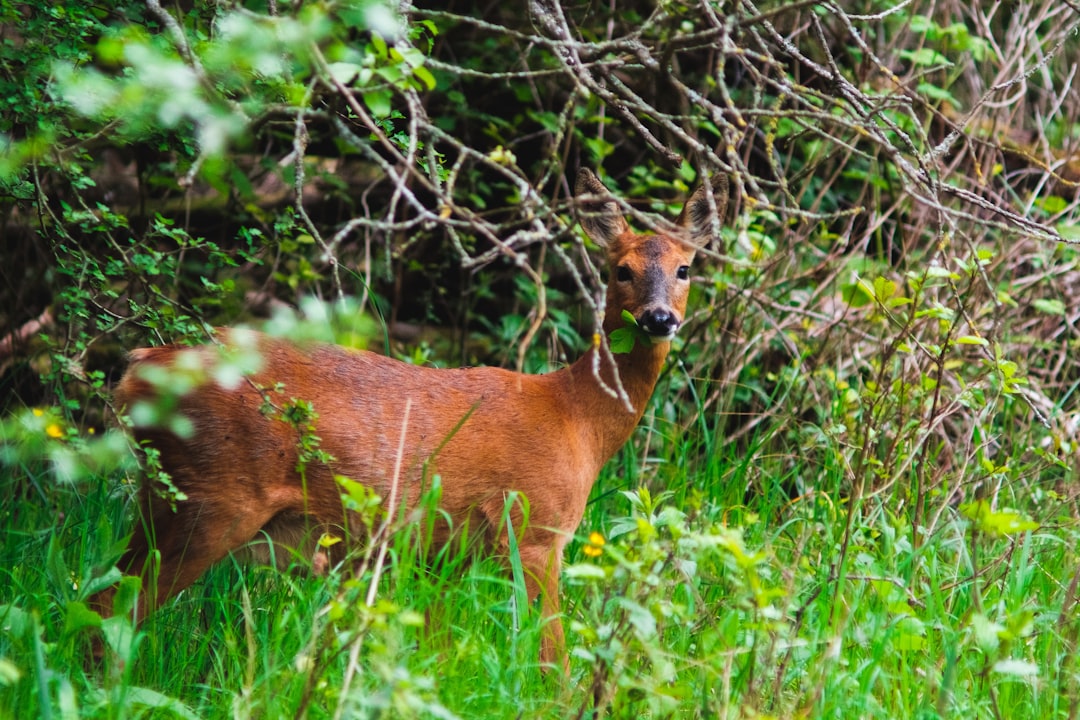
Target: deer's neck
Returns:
[611, 391]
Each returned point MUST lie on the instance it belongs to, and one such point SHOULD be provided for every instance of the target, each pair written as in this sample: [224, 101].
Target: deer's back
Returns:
[482, 431]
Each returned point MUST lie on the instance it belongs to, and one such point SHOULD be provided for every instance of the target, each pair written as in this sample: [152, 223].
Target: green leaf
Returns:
[153, 700]
[127, 594]
[378, 44]
[1049, 306]
[1069, 233]
[1052, 204]
[424, 75]
[910, 642]
[79, 616]
[922, 25]
[883, 289]
[119, 636]
[640, 618]
[14, 621]
[378, 101]
[622, 340]
[9, 672]
[925, 57]
[971, 340]
[857, 294]
[936, 93]
[344, 72]
[997, 522]
[936, 271]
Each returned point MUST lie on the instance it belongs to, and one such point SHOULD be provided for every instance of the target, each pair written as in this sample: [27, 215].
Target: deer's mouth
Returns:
[659, 324]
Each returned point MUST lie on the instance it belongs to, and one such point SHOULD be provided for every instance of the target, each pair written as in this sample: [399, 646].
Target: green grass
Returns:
[720, 592]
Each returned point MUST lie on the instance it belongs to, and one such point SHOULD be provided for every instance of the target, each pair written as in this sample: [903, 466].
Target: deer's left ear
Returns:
[600, 218]
[697, 217]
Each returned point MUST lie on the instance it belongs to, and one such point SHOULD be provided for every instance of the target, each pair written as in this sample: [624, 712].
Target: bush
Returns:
[852, 494]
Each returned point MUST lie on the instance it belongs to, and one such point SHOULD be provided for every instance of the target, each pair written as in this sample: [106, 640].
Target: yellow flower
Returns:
[595, 546]
[328, 540]
[38, 412]
[53, 430]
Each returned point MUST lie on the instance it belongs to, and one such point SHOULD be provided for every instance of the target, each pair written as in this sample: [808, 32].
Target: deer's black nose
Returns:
[659, 322]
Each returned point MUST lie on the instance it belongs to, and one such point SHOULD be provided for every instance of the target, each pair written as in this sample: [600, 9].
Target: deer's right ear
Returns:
[697, 215]
[598, 213]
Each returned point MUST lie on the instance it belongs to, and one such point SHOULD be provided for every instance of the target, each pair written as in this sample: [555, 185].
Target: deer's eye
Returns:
[622, 274]
[683, 273]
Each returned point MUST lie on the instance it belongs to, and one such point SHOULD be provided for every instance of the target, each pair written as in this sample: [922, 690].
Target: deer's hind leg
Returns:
[175, 543]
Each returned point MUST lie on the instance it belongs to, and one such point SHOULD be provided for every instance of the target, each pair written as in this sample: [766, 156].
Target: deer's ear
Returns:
[697, 216]
[599, 215]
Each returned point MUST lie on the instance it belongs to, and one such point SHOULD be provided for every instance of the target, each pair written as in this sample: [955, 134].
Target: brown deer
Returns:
[486, 432]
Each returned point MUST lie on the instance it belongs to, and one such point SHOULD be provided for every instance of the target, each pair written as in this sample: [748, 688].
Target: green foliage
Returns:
[624, 338]
[853, 494]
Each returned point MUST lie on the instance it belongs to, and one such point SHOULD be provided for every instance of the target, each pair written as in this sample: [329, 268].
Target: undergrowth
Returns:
[853, 494]
[701, 585]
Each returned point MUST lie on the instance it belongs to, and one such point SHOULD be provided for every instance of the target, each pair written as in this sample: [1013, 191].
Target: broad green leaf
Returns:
[883, 289]
[621, 340]
[378, 101]
[119, 635]
[79, 616]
